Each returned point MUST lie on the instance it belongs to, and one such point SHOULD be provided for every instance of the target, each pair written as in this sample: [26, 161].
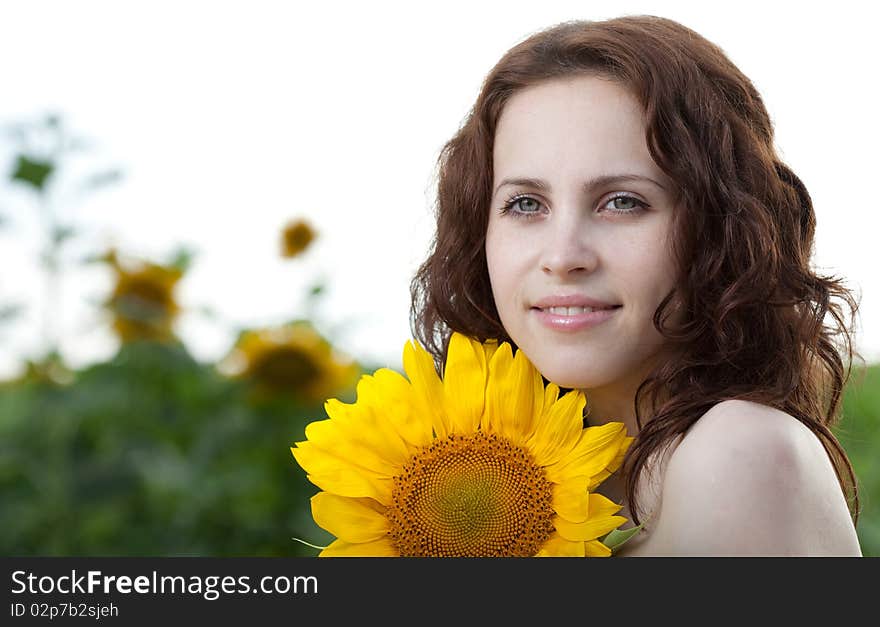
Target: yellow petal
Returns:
[464, 383]
[377, 548]
[571, 499]
[413, 426]
[339, 475]
[419, 366]
[489, 347]
[372, 419]
[597, 448]
[386, 408]
[351, 520]
[514, 395]
[363, 443]
[594, 548]
[598, 478]
[617, 462]
[602, 506]
[558, 429]
[589, 529]
[557, 546]
[551, 394]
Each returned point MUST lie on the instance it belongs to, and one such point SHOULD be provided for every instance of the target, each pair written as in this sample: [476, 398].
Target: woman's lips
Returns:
[573, 321]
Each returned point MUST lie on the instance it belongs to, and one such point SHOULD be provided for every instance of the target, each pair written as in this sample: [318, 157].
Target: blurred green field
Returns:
[154, 454]
[859, 432]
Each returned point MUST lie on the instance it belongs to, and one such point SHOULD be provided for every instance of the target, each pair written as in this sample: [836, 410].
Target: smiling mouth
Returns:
[574, 311]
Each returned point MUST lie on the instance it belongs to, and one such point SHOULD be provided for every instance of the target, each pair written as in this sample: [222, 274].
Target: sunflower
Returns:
[143, 303]
[295, 238]
[293, 360]
[485, 462]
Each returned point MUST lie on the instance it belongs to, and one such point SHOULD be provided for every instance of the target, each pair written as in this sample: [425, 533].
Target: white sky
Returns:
[230, 118]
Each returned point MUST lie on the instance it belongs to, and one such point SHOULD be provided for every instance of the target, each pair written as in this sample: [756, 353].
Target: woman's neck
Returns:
[602, 408]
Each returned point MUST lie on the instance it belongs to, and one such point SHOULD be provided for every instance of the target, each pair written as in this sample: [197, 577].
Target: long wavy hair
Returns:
[755, 313]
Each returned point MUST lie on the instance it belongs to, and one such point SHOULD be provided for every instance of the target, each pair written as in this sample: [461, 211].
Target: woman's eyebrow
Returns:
[599, 181]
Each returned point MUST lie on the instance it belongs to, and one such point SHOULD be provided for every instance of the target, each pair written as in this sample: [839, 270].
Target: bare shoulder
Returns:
[748, 479]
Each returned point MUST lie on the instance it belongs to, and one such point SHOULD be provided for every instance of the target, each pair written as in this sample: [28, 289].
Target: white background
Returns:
[230, 118]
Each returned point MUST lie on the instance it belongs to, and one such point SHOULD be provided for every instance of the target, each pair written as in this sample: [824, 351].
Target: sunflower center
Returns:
[299, 238]
[475, 495]
[285, 367]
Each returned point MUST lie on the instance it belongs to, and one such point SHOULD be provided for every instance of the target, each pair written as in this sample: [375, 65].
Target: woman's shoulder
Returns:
[734, 432]
[748, 479]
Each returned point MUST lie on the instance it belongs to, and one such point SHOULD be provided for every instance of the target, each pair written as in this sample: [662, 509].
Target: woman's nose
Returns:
[568, 249]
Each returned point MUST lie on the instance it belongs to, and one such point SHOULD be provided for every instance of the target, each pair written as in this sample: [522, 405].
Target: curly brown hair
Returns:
[755, 312]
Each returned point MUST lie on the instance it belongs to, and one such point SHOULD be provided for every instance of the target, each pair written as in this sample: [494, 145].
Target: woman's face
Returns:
[570, 233]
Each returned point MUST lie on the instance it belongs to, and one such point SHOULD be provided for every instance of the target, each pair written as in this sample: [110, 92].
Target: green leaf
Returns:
[616, 538]
[34, 172]
[182, 259]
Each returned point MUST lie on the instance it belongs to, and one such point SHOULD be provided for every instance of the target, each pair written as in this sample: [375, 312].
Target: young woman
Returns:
[614, 207]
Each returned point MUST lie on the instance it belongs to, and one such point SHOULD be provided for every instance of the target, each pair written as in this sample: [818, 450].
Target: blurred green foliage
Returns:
[859, 432]
[152, 454]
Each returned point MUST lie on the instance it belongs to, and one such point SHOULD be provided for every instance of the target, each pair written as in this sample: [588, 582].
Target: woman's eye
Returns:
[625, 204]
[521, 205]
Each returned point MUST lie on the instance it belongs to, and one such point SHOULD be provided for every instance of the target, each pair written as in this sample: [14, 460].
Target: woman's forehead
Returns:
[584, 124]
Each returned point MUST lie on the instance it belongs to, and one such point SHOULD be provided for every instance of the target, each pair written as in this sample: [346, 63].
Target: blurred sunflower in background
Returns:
[291, 360]
[143, 303]
[296, 237]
